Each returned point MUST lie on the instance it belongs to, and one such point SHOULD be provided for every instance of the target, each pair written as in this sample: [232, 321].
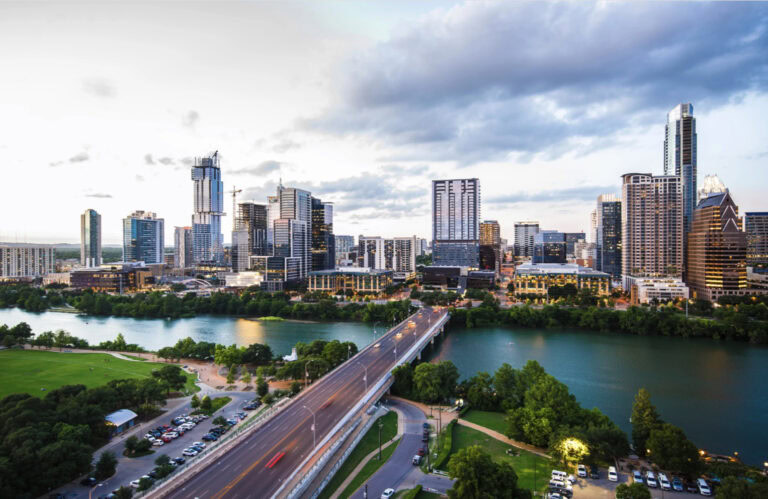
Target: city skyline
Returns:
[117, 135]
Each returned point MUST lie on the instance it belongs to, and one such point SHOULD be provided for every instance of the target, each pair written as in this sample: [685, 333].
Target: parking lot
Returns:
[602, 488]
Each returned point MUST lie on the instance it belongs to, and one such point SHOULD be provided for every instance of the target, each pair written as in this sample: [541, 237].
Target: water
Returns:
[715, 391]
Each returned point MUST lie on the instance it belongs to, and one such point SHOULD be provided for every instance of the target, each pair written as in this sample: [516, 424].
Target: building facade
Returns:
[249, 235]
[143, 237]
[717, 250]
[293, 229]
[524, 234]
[352, 279]
[536, 279]
[277, 269]
[121, 277]
[571, 238]
[25, 261]
[651, 226]
[608, 235]
[208, 194]
[370, 252]
[680, 151]
[456, 222]
[323, 240]
[549, 246]
[491, 254]
[183, 256]
[756, 227]
[90, 239]
[655, 289]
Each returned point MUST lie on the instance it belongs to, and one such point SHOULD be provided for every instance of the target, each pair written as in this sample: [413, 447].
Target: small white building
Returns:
[243, 279]
[120, 421]
[646, 289]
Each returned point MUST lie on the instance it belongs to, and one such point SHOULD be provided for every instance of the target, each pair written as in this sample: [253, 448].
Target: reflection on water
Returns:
[715, 391]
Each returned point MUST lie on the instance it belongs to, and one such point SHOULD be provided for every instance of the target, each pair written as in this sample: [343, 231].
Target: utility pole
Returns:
[314, 429]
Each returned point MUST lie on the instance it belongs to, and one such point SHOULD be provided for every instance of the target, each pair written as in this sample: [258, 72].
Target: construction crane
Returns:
[234, 193]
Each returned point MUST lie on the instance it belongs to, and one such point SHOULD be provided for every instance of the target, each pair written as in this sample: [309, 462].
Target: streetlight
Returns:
[365, 378]
[374, 329]
[314, 428]
[90, 492]
[306, 372]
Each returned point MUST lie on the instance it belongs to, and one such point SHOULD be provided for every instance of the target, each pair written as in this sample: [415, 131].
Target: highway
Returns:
[258, 465]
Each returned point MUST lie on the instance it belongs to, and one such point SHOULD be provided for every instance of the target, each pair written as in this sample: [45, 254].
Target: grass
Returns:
[528, 466]
[216, 404]
[367, 444]
[137, 453]
[27, 371]
[491, 420]
[271, 318]
[369, 469]
[134, 357]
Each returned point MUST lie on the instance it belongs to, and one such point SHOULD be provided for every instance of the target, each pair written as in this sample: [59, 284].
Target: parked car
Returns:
[425, 438]
[416, 460]
[189, 452]
[650, 479]
[158, 443]
[581, 470]
[422, 451]
[612, 475]
[88, 481]
[664, 482]
[571, 479]
[691, 487]
[677, 484]
[637, 476]
[594, 473]
[387, 493]
[198, 444]
[704, 488]
[179, 460]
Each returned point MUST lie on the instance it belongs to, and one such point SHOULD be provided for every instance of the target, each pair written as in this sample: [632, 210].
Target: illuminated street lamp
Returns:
[314, 428]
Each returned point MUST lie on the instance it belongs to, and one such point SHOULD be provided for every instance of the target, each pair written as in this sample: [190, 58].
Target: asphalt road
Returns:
[287, 439]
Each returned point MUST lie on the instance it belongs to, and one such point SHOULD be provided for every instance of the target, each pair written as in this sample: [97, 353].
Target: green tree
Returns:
[671, 450]
[144, 484]
[257, 354]
[506, 386]
[448, 375]
[143, 445]
[426, 382]
[124, 493]
[231, 375]
[570, 450]
[267, 399]
[171, 376]
[295, 387]
[206, 404]
[645, 419]
[480, 392]
[195, 402]
[106, 466]
[246, 376]
[633, 491]
[220, 421]
[262, 387]
[131, 443]
[162, 460]
[403, 384]
[477, 476]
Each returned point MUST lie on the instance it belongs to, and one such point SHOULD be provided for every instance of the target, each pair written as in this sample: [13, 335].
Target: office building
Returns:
[183, 256]
[273, 213]
[400, 256]
[370, 252]
[344, 244]
[756, 227]
[344, 249]
[537, 278]
[323, 240]
[143, 237]
[549, 246]
[717, 250]
[119, 277]
[608, 235]
[651, 226]
[680, 156]
[456, 222]
[423, 247]
[208, 190]
[249, 235]
[348, 280]
[643, 290]
[26, 261]
[524, 233]
[90, 239]
[293, 229]
[571, 238]
[491, 254]
[276, 270]
[711, 185]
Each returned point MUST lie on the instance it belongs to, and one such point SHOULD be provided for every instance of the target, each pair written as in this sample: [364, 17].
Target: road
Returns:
[287, 439]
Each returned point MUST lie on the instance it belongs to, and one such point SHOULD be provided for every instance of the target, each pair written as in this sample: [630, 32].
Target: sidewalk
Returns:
[498, 436]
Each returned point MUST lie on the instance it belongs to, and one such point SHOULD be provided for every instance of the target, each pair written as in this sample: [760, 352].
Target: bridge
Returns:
[272, 461]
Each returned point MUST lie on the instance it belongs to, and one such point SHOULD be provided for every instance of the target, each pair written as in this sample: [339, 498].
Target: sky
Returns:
[364, 103]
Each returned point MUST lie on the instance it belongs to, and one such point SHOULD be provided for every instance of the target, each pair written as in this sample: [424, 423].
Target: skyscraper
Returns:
[490, 245]
[143, 237]
[455, 222]
[651, 225]
[756, 224]
[26, 260]
[571, 238]
[249, 234]
[371, 252]
[717, 249]
[90, 239]
[323, 241]
[524, 232]
[680, 156]
[207, 239]
[608, 235]
[549, 246]
[182, 247]
[290, 212]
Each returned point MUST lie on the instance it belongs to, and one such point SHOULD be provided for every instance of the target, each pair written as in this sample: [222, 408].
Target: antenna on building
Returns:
[234, 193]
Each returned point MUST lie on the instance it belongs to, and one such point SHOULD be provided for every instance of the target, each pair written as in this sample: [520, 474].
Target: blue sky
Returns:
[364, 103]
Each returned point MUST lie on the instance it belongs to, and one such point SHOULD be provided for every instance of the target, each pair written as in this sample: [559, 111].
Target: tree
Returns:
[162, 460]
[295, 387]
[448, 375]
[195, 402]
[267, 399]
[169, 353]
[671, 450]
[143, 445]
[644, 419]
[570, 450]
[171, 376]
[144, 484]
[426, 382]
[262, 387]
[106, 466]
[738, 488]
[246, 376]
[257, 354]
[403, 384]
[131, 443]
[231, 375]
[124, 493]
[505, 383]
[206, 404]
[478, 477]
[633, 491]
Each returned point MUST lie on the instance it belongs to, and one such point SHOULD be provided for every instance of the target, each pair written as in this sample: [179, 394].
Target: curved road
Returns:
[258, 465]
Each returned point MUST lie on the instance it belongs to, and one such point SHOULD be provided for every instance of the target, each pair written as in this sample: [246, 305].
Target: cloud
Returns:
[491, 80]
[166, 160]
[99, 195]
[286, 145]
[263, 168]
[405, 170]
[139, 178]
[581, 193]
[278, 143]
[190, 119]
[80, 157]
[99, 87]
[148, 159]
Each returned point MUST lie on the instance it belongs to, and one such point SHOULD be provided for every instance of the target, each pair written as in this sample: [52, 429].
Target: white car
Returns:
[582, 471]
[612, 475]
[387, 493]
[190, 452]
[571, 479]
[198, 444]
[135, 483]
[158, 443]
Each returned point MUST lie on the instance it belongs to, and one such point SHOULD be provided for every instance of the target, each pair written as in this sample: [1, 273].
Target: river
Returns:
[715, 391]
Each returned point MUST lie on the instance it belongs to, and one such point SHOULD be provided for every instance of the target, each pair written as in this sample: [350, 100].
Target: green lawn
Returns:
[369, 469]
[367, 444]
[491, 420]
[528, 466]
[27, 371]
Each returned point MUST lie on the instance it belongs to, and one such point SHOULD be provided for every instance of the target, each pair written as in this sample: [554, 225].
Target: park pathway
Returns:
[498, 436]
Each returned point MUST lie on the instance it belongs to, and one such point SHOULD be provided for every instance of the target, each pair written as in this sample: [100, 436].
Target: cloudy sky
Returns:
[363, 103]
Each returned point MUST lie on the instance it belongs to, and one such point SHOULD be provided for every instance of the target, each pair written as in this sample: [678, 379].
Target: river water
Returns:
[715, 391]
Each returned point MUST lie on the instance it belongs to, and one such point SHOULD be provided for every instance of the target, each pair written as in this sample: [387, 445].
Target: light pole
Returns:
[381, 425]
[374, 330]
[314, 428]
[365, 378]
[90, 492]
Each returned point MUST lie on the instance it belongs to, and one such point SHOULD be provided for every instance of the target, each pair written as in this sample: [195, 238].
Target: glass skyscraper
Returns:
[90, 239]
[680, 156]
[143, 237]
[456, 222]
[323, 241]
[207, 239]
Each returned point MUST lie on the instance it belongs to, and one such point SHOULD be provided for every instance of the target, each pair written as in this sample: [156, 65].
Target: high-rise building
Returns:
[711, 185]
[524, 233]
[397, 254]
[293, 229]
[26, 261]
[323, 241]
[455, 222]
[717, 249]
[608, 235]
[207, 239]
[249, 234]
[756, 225]
[490, 246]
[370, 252]
[680, 156]
[182, 247]
[143, 237]
[273, 213]
[90, 239]
[651, 225]
[571, 238]
[549, 246]
[344, 244]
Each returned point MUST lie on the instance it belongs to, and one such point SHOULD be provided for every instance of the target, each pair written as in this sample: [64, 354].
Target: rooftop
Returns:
[120, 417]
[351, 270]
[558, 268]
